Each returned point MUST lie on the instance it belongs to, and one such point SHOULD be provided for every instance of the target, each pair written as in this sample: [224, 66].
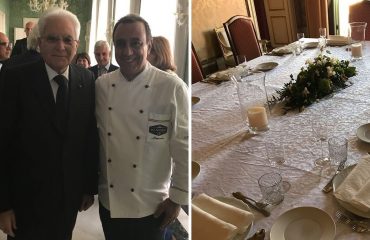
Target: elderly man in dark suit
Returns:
[48, 137]
[21, 45]
[102, 54]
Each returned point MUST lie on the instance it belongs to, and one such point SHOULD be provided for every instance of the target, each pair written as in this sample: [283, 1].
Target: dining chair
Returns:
[196, 69]
[225, 47]
[360, 12]
[242, 37]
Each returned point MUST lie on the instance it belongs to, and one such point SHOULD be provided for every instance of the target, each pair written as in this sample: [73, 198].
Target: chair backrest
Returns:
[360, 12]
[223, 41]
[196, 69]
[242, 37]
[225, 47]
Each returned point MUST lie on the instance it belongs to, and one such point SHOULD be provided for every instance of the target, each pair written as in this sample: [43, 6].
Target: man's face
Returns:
[5, 47]
[131, 48]
[102, 55]
[58, 45]
[28, 28]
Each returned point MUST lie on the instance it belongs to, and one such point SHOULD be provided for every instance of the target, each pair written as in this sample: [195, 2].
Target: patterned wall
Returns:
[208, 14]
[18, 9]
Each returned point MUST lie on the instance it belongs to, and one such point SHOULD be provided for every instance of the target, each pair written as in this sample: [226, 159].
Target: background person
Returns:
[21, 45]
[48, 137]
[160, 55]
[102, 54]
[31, 55]
[83, 59]
[142, 114]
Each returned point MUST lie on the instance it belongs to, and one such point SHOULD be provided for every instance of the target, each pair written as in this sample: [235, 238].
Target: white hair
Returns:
[101, 43]
[53, 12]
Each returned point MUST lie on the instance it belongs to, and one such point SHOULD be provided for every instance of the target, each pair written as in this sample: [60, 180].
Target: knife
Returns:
[329, 186]
[240, 196]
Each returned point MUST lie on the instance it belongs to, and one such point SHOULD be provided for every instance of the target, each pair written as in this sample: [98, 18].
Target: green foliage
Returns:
[317, 79]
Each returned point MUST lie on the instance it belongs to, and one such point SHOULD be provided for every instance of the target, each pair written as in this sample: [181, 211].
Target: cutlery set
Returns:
[357, 225]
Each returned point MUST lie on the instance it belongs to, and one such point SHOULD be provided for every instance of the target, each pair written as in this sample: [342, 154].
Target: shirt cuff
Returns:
[179, 196]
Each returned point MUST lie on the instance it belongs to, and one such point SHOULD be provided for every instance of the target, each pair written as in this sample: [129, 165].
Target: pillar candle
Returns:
[257, 117]
[356, 49]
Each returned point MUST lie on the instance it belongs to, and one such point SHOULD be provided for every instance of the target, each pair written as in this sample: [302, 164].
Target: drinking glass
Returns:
[337, 149]
[275, 152]
[320, 129]
[300, 37]
[241, 60]
[253, 100]
[270, 186]
[322, 40]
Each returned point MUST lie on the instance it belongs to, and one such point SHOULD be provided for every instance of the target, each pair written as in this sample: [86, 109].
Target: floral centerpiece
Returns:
[317, 79]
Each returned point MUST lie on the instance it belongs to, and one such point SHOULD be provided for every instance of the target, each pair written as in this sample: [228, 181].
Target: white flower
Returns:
[330, 71]
[309, 61]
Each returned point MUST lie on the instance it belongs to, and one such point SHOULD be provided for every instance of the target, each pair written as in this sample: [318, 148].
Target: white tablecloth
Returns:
[231, 162]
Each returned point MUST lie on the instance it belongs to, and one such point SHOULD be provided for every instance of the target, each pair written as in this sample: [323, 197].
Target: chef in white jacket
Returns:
[142, 115]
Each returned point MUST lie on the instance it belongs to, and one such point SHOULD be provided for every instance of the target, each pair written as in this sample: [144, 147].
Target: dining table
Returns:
[231, 159]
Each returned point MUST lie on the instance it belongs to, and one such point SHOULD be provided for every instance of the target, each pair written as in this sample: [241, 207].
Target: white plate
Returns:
[239, 204]
[194, 100]
[336, 183]
[266, 66]
[303, 223]
[195, 169]
[363, 132]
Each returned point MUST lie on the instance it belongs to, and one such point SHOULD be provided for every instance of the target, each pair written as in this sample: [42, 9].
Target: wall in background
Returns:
[19, 9]
[207, 15]
[4, 7]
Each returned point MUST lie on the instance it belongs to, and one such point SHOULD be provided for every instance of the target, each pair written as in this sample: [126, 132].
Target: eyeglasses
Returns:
[68, 40]
[6, 44]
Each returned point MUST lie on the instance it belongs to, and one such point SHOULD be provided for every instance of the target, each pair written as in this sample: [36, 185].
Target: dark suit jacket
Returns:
[45, 172]
[20, 47]
[27, 57]
[95, 68]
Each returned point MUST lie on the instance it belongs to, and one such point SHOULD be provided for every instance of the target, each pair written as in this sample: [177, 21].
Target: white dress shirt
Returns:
[143, 129]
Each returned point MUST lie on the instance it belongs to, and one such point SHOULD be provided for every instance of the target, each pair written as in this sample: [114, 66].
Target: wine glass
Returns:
[275, 152]
[320, 129]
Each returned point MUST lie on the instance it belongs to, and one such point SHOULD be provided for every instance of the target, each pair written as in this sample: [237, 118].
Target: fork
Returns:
[356, 225]
[329, 186]
[258, 204]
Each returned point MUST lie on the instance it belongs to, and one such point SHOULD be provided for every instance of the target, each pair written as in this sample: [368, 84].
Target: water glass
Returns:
[270, 185]
[300, 37]
[337, 150]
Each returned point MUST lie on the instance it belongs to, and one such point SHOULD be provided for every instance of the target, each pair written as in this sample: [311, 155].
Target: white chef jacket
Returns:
[143, 129]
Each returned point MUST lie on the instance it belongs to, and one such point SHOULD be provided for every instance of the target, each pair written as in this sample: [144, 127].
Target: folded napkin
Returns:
[355, 188]
[336, 40]
[225, 212]
[220, 76]
[282, 50]
[206, 226]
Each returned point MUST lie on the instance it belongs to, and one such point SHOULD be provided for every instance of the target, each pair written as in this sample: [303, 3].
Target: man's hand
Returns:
[87, 201]
[7, 222]
[170, 210]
